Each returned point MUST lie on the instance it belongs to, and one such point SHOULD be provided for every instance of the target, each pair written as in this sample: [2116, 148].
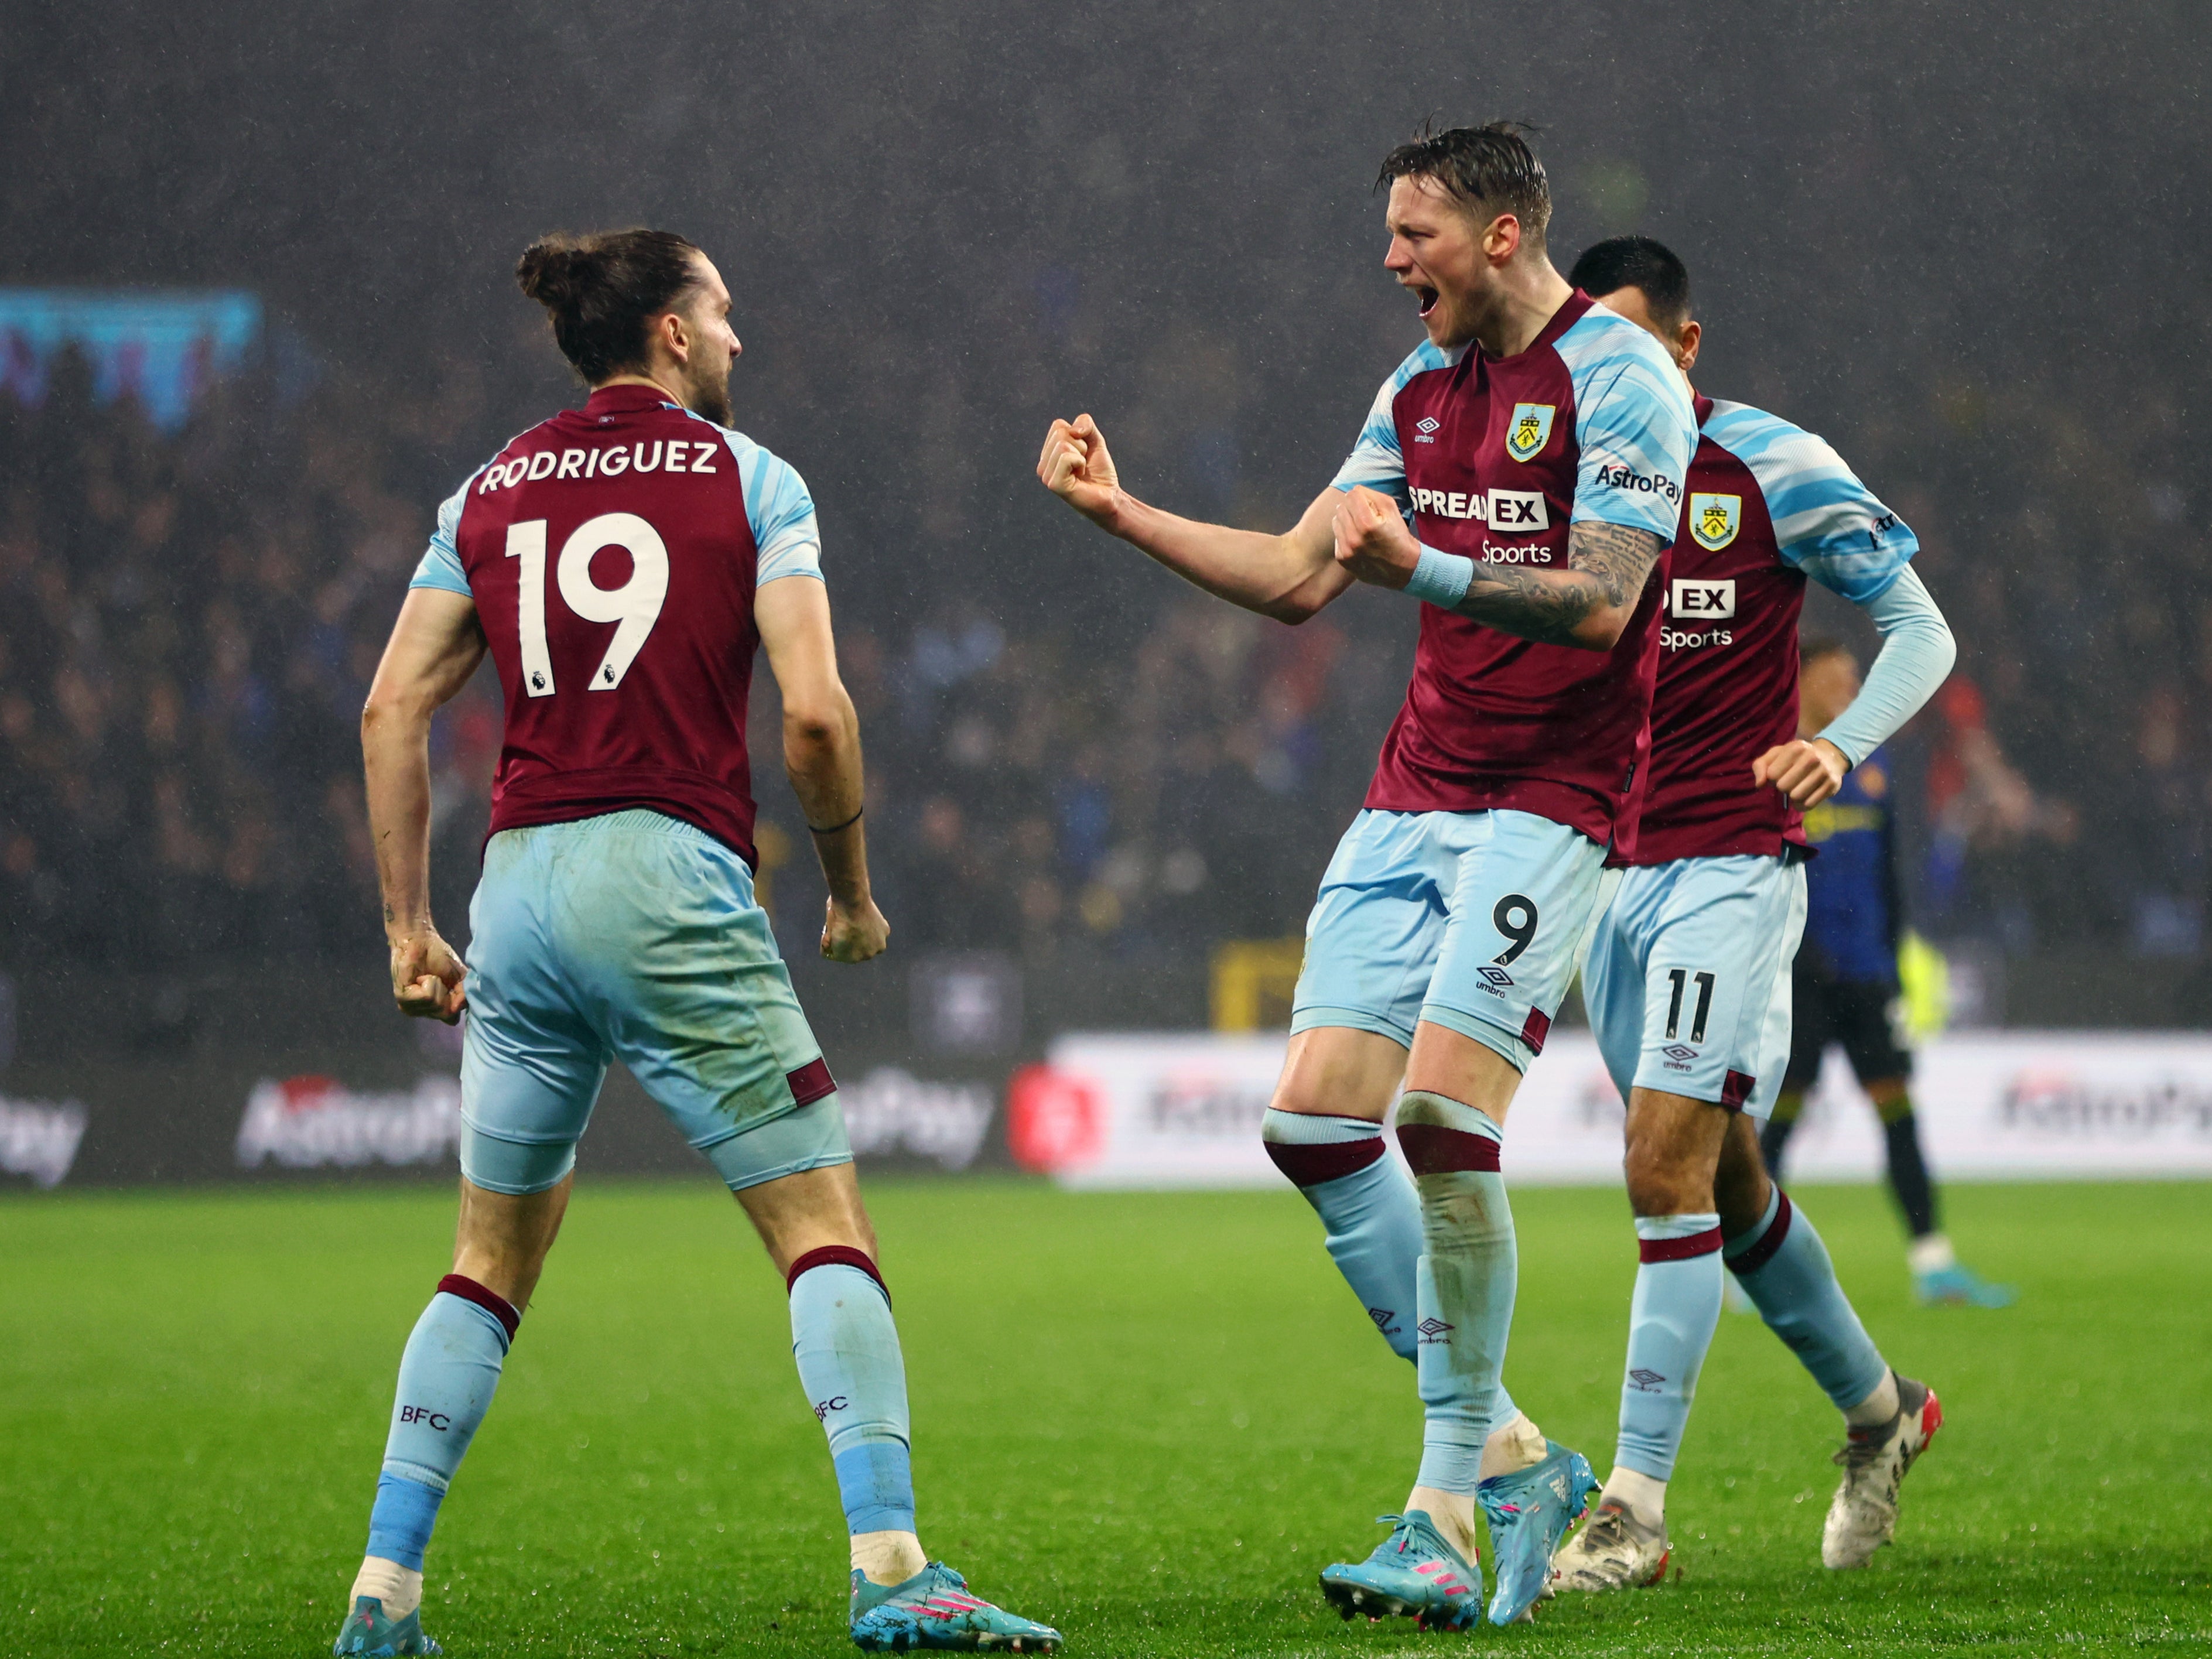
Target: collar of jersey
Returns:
[1570, 312]
[627, 399]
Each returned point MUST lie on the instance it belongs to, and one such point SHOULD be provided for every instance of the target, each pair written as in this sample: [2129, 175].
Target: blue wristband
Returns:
[1442, 579]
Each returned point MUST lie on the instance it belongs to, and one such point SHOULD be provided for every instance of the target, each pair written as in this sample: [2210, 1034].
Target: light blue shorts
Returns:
[1466, 920]
[1687, 982]
[633, 937]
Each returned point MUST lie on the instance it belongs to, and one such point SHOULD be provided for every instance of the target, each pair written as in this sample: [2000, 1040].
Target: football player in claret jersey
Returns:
[621, 561]
[1687, 979]
[1522, 473]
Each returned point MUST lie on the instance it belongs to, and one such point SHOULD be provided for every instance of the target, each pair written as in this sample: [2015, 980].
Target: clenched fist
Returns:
[426, 976]
[1372, 540]
[1806, 772]
[1076, 467]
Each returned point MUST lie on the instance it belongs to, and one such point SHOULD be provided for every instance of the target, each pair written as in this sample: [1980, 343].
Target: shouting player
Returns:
[1688, 976]
[621, 561]
[1539, 444]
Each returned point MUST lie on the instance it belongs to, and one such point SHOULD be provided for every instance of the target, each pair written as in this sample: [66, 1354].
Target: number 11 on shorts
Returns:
[1680, 978]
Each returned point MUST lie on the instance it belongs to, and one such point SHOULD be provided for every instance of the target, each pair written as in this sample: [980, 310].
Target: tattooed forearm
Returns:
[1607, 567]
[1618, 557]
[1545, 606]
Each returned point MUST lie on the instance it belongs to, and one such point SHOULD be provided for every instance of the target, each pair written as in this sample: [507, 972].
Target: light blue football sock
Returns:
[849, 1363]
[1371, 1220]
[447, 1378]
[1671, 1320]
[1785, 1269]
[1465, 1283]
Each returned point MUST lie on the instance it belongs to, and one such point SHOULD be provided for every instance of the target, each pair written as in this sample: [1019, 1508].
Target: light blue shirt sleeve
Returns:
[441, 565]
[1375, 461]
[779, 511]
[1917, 654]
[1827, 523]
[1634, 426]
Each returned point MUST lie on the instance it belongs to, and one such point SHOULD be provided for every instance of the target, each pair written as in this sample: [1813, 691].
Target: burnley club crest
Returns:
[1714, 521]
[1530, 429]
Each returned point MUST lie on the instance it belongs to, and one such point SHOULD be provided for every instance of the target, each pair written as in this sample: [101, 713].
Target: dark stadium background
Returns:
[1961, 241]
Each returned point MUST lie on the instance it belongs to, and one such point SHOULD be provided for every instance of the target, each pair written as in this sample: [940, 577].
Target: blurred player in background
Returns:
[1538, 444]
[1687, 979]
[1846, 980]
[621, 563]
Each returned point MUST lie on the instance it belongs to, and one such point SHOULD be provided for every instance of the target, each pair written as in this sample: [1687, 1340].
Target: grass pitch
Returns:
[1150, 1419]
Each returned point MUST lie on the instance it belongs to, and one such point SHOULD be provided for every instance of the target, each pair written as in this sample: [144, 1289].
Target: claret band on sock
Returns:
[1678, 1249]
[1749, 1251]
[836, 1256]
[509, 1317]
[1440, 1136]
[1311, 1148]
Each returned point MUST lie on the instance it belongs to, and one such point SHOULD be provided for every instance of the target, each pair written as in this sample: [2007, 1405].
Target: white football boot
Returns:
[1863, 1517]
[1613, 1550]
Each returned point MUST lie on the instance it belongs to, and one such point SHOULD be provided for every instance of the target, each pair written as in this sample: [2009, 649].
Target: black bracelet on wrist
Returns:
[835, 828]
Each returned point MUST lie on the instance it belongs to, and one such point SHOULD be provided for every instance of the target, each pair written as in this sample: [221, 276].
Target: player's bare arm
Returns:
[1588, 605]
[434, 646]
[1288, 577]
[822, 757]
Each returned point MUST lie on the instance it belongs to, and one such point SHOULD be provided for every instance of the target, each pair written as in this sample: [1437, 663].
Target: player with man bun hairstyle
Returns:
[620, 562]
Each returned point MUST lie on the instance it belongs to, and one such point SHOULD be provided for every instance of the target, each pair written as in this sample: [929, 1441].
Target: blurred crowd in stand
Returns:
[188, 624]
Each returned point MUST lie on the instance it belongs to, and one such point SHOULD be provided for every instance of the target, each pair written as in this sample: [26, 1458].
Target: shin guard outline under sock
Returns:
[447, 1376]
[1466, 1282]
[1369, 1214]
[847, 1351]
[1671, 1320]
[1785, 1269]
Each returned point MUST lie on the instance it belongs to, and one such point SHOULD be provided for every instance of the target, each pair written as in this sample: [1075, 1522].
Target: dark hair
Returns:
[1639, 263]
[1813, 647]
[601, 290]
[1490, 167]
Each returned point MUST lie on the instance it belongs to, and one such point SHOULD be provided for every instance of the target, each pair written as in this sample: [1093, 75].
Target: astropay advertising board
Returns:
[1183, 1111]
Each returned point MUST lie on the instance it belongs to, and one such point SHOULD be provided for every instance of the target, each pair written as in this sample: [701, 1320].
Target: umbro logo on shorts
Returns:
[1495, 977]
[1679, 1051]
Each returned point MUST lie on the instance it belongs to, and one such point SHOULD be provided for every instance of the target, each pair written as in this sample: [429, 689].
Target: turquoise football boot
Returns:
[367, 1633]
[1959, 1286]
[1414, 1571]
[1529, 1512]
[933, 1609]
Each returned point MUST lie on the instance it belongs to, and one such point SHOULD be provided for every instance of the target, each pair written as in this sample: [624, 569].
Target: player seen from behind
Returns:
[1687, 979]
[1845, 984]
[621, 563]
[1538, 444]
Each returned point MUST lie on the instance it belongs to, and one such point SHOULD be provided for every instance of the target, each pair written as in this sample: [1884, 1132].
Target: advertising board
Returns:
[1183, 1109]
